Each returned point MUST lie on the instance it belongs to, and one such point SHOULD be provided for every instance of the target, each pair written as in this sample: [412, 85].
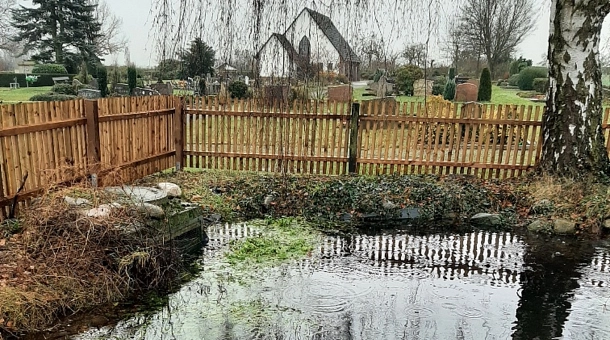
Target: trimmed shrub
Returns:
[513, 80]
[438, 87]
[102, 80]
[449, 93]
[484, 94]
[51, 97]
[541, 85]
[518, 65]
[238, 89]
[527, 76]
[64, 89]
[406, 77]
[49, 69]
[452, 73]
[132, 78]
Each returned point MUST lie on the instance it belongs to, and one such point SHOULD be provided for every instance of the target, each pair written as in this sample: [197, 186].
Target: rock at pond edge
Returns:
[486, 220]
[563, 226]
[172, 190]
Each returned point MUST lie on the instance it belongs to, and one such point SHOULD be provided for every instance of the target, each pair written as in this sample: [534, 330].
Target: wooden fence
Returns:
[132, 137]
[61, 142]
[375, 137]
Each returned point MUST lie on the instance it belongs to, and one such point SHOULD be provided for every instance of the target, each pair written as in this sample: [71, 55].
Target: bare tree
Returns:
[6, 30]
[496, 27]
[573, 142]
[371, 49]
[111, 40]
[414, 54]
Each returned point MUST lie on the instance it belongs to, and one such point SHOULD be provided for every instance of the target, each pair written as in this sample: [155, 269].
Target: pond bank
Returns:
[542, 204]
[78, 248]
[46, 267]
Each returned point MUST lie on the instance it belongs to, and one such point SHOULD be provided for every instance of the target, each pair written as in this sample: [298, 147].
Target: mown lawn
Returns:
[24, 94]
[499, 96]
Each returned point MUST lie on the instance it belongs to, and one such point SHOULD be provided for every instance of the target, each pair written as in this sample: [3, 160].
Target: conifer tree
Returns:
[51, 28]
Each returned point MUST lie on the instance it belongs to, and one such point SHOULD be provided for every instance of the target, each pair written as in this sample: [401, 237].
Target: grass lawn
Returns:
[24, 94]
[606, 79]
[499, 96]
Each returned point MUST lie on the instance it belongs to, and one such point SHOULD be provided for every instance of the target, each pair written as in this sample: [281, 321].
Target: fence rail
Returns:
[59, 142]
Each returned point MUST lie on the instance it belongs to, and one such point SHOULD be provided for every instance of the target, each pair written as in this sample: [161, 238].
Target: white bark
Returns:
[573, 140]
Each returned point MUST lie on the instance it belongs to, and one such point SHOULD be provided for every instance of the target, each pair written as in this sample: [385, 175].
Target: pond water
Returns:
[392, 285]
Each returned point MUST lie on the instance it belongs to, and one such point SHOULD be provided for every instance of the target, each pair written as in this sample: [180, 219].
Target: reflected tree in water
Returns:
[548, 282]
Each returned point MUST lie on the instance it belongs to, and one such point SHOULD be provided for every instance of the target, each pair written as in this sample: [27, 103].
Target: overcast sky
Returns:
[138, 17]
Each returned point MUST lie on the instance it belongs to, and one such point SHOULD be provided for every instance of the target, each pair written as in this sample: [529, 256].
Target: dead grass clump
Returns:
[64, 261]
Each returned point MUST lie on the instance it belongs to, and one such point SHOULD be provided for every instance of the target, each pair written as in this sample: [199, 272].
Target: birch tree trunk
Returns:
[573, 143]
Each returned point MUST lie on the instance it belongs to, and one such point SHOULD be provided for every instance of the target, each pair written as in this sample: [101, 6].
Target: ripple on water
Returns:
[469, 312]
[322, 296]
[417, 310]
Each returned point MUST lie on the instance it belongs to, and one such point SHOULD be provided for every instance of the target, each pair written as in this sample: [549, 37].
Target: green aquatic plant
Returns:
[280, 240]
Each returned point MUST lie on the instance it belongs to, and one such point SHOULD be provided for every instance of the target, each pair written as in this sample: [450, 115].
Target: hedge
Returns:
[541, 85]
[51, 97]
[527, 76]
[43, 79]
[49, 69]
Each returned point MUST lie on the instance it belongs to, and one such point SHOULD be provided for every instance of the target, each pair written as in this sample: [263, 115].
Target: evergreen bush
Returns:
[527, 76]
[484, 94]
[132, 78]
[64, 89]
[513, 80]
[541, 85]
[449, 93]
[451, 73]
[102, 80]
[238, 89]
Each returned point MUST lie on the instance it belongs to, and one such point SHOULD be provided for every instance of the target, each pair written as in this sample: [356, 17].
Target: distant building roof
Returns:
[332, 33]
[226, 67]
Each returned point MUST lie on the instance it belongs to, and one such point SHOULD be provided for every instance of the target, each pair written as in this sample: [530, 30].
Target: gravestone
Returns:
[93, 83]
[89, 93]
[163, 89]
[422, 87]
[466, 92]
[341, 93]
[142, 92]
[121, 89]
[473, 81]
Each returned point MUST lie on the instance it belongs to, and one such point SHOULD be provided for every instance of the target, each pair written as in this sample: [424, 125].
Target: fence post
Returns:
[93, 139]
[353, 138]
[179, 132]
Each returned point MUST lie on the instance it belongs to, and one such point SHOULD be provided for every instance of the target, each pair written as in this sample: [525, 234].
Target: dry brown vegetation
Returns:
[56, 261]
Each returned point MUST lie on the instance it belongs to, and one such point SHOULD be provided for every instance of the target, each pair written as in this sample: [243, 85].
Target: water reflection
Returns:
[392, 286]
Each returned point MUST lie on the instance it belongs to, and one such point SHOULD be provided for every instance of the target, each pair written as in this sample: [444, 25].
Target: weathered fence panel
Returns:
[136, 135]
[61, 142]
[44, 141]
[482, 140]
[248, 135]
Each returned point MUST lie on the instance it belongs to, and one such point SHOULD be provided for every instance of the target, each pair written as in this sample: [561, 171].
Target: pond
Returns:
[392, 285]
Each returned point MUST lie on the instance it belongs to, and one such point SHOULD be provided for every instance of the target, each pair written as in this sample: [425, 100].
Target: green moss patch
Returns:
[280, 240]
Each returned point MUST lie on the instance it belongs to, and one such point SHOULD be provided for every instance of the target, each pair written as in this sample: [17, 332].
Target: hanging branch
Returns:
[11, 214]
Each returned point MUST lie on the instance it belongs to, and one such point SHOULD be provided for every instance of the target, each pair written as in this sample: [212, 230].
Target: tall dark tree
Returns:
[198, 59]
[496, 27]
[484, 94]
[573, 143]
[52, 28]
